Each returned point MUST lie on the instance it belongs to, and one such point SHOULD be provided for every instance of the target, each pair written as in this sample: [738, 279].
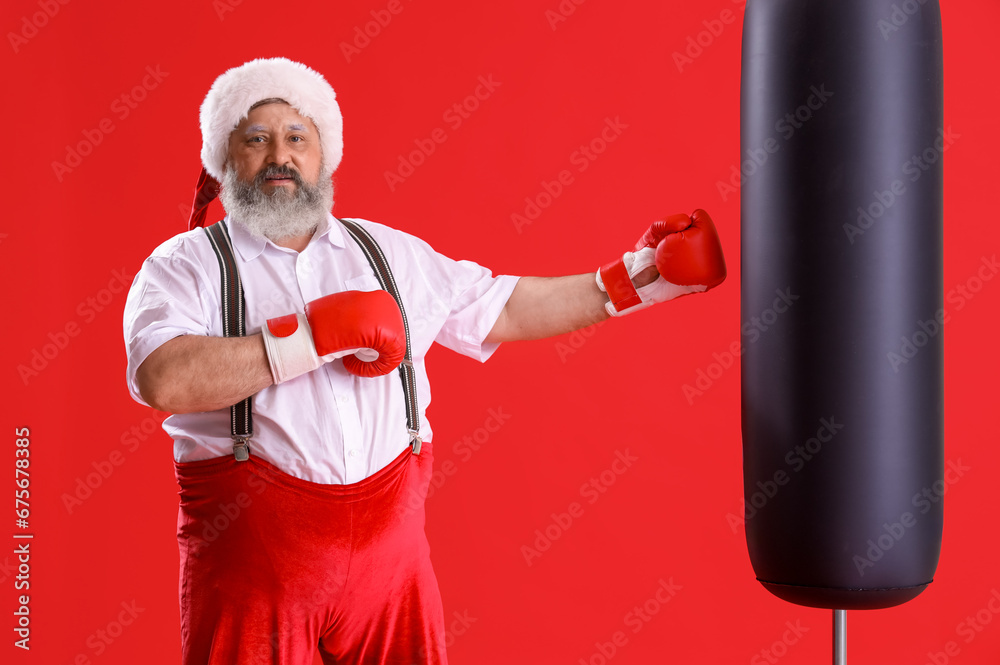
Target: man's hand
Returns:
[676, 256]
[363, 327]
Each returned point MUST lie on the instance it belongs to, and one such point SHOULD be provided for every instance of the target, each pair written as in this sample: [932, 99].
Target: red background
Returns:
[572, 402]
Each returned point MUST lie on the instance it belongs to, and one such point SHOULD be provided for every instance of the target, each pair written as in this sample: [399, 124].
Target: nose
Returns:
[279, 154]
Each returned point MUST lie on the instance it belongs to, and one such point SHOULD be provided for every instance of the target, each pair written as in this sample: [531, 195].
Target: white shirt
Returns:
[327, 426]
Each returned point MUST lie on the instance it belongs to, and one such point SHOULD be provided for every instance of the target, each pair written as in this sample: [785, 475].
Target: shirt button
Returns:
[354, 453]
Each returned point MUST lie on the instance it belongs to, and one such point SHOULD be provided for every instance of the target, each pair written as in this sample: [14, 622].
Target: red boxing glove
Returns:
[363, 327]
[692, 255]
[686, 252]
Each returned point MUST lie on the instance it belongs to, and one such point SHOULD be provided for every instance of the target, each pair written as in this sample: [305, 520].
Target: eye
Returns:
[255, 139]
[297, 139]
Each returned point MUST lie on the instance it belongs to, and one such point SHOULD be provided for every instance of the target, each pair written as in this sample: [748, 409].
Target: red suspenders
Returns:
[234, 325]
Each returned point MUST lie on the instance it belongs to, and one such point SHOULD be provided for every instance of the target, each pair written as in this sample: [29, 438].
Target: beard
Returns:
[280, 214]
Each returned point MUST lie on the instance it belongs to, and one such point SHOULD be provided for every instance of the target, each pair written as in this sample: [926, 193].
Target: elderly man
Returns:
[273, 337]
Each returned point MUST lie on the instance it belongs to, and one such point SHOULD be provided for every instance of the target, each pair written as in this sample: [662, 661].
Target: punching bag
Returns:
[842, 136]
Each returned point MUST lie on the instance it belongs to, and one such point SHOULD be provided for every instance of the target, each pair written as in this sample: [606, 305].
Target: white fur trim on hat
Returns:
[231, 96]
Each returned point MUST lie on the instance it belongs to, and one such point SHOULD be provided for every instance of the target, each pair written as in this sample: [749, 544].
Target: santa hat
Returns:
[229, 101]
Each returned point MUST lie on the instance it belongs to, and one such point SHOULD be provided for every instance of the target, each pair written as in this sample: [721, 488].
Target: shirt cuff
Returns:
[139, 350]
[495, 299]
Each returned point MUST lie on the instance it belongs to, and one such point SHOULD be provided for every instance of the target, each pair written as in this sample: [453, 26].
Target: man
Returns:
[303, 536]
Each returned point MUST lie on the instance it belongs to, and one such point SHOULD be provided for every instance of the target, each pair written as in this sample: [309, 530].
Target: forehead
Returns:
[275, 116]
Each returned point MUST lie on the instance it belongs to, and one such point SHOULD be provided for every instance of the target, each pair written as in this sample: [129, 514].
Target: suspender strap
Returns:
[233, 325]
[381, 267]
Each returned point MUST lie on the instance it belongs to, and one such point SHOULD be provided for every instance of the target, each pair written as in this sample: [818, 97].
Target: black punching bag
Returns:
[842, 137]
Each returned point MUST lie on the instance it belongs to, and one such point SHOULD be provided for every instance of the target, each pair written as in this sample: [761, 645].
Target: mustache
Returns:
[274, 170]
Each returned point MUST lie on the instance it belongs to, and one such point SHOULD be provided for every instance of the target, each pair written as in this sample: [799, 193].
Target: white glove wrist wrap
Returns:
[293, 355]
[657, 291]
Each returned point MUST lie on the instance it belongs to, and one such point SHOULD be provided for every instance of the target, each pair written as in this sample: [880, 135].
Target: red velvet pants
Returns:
[274, 567]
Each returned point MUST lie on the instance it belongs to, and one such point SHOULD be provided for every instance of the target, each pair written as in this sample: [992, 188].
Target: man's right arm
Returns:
[192, 373]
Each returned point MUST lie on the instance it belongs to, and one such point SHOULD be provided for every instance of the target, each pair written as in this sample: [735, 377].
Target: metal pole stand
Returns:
[840, 637]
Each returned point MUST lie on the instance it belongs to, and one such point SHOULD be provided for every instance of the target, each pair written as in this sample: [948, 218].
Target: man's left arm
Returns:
[548, 306]
[676, 256]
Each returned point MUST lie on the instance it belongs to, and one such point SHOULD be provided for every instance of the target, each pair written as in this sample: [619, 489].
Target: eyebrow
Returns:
[297, 127]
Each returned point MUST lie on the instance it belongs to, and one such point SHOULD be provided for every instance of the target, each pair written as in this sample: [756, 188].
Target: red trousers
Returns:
[274, 567]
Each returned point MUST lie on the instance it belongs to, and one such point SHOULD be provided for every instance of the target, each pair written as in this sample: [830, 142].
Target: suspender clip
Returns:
[415, 441]
[241, 448]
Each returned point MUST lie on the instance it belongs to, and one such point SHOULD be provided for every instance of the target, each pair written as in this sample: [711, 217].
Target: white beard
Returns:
[281, 214]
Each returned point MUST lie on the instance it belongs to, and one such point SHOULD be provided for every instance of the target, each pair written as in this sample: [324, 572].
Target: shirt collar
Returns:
[334, 232]
[250, 246]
